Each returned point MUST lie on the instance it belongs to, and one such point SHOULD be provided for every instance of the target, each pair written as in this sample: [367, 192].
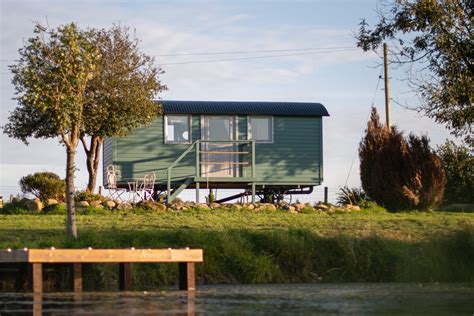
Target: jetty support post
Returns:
[37, 277]
[76, 277]
[125, 276]
[187, 276]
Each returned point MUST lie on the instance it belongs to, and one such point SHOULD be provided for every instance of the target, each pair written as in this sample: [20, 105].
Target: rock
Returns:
[83, 204]
[189, 205]
[203, 206]
[51, 202]
[123, 206]
[292, 209]
[24, 201]
[268, 207]
[160, 207]
[322, 207]
[109, 204]
[237, 207]
[215, 205]
[299, 206]
[250, 206]
[177, 205]
[35, 205]
[350, 207]
[95, 203]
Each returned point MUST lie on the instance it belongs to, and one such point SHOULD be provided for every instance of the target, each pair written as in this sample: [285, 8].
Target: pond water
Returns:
[281, 299]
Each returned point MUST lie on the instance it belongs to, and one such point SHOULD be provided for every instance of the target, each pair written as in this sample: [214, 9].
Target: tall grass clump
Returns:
[397, 172]
[352, 196]
[277, 256]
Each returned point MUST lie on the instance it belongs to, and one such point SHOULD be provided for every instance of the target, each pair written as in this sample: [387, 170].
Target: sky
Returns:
[345, 81]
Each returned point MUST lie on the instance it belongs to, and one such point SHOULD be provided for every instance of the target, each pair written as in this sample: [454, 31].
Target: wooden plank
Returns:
[101, 255]
[187, 277]
[37, 277]
[76, 277]
[125, 277]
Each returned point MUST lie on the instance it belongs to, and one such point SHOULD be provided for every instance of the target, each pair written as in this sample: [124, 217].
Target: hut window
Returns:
[177, 129]
[260, 129]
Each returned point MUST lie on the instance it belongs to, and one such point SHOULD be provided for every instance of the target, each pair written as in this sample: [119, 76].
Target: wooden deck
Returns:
[35, 258]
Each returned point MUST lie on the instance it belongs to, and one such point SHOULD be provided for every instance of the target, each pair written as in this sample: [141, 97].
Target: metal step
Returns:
[179, 189]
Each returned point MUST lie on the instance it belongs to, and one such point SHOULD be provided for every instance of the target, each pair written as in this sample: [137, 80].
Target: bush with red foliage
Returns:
[399, 173]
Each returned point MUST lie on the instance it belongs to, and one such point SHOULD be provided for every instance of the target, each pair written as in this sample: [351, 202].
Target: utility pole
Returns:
[387, 95]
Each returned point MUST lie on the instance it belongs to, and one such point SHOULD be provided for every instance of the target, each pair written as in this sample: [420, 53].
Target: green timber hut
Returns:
[265, 148]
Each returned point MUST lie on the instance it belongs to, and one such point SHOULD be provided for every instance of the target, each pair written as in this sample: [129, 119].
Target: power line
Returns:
[249, 58]
[253, 51]
[372, 104]
[240, 52]
[253, 57]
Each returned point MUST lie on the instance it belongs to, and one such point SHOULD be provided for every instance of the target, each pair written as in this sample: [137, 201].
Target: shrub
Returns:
[458, 165]
[44, 185]
[14, 209]
[55, 209]
[399, 173]
[88, 196]
[210, 198]
[352, 196]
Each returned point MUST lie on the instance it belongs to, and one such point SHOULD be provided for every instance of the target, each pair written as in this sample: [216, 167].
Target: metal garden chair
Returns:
[115, 193]
[149, 186]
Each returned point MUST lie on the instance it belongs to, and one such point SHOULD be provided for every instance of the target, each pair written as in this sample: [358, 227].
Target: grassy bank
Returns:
[247, 247]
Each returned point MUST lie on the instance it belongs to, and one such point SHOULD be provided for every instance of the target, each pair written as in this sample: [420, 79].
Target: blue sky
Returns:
[343, 81]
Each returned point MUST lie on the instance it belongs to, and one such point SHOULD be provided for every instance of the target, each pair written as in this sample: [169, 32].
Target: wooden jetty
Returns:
[35, 258]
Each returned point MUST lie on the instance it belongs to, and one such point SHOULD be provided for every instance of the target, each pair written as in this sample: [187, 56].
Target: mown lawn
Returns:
[29, 230]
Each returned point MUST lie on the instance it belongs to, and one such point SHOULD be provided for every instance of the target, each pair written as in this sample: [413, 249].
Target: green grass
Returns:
[248, 247]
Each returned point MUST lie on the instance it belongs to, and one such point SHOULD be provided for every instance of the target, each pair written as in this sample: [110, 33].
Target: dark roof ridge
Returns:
[281, 108]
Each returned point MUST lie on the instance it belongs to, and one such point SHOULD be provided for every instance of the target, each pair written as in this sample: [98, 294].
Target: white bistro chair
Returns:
[115, 193]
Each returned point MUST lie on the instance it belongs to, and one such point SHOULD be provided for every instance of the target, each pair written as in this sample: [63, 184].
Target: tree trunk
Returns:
[71, 208]
[93, 159]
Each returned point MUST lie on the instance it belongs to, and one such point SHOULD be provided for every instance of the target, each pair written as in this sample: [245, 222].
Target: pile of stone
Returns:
[35, 205]
[294, 208]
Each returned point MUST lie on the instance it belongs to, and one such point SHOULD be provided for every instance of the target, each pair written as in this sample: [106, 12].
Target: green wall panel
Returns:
[295, 155]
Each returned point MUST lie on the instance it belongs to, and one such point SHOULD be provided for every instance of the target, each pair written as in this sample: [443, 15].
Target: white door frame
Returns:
[232, 170]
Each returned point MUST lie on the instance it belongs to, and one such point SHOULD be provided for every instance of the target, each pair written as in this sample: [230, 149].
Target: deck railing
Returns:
[201, 150]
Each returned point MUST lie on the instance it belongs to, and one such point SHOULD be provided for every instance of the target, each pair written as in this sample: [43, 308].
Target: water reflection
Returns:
[387, 299]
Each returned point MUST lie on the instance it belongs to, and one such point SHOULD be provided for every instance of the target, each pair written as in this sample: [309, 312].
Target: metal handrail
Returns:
[198, 162]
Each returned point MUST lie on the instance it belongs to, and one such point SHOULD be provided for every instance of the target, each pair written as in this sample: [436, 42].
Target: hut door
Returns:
[217, 158]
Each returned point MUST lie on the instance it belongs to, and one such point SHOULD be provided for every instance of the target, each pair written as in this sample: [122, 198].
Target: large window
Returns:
[260, 129]
[177, 129]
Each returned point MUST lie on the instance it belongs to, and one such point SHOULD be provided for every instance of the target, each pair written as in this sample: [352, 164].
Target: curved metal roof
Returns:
[244, 108]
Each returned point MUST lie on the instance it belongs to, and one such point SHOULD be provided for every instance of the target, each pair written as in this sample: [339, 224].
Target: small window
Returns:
[177, 129]
[260, 129]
